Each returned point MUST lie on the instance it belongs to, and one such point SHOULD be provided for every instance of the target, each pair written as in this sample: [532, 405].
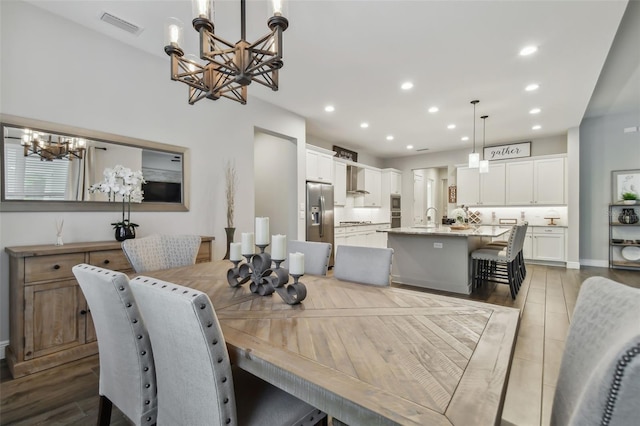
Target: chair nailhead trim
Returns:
[224, 380]
[226, 400]
[135, 321]
[215, 342]
[228, 421]
[202, 306]
[617, 381]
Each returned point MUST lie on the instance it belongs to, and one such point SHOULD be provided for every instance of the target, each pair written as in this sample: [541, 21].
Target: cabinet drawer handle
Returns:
[83, 312]
[56, 266]
[106, 261]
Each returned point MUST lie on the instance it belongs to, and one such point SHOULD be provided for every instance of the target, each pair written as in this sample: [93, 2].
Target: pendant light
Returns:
[484, 164]
[474, 157]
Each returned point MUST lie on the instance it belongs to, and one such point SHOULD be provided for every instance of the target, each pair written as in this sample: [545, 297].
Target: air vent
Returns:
[121, 23]
[422, 149]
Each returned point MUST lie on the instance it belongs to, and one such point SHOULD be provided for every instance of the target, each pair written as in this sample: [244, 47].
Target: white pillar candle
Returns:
[247, 243]
[262, 231]
[235, 251]
[278, 247]
[296, 263]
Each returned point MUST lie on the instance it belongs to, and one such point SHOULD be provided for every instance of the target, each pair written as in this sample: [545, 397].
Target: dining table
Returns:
[367, 355]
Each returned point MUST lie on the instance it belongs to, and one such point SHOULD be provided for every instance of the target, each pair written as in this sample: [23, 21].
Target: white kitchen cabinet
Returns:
[481, 189]
[548, 244]
[319, 166]
[339, 183]
[371, 180]
[361, 235]
[395, 185]
[527, 248]
[535, 182]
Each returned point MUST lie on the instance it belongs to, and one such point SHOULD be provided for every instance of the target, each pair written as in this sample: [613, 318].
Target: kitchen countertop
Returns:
[446, 231]
[361, 224]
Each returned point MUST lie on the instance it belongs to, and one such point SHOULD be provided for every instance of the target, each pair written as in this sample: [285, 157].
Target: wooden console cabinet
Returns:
[50, 323]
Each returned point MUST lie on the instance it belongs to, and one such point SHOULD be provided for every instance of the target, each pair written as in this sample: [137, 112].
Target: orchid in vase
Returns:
[122, 182]
[460, 215]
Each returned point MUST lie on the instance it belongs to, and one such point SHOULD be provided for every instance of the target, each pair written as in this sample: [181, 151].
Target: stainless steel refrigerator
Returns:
[320, 214]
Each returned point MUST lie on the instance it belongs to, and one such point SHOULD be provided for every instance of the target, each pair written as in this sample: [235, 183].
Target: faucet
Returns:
[431, 224]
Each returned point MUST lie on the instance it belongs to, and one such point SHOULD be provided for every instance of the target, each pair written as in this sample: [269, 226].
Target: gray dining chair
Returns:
[127, 370]
[157, 252]
[316, 255]
[365, 265]
[599, 377]
[197, 385]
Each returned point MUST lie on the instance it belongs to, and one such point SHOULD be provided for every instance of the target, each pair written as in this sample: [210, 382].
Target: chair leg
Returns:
[104, 411]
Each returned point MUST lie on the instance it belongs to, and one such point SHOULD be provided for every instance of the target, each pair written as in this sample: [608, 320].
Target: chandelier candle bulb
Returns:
[173, 32]
[262, 231]
[296, 263]
[279, 247]
[202, 9]
[247, 243]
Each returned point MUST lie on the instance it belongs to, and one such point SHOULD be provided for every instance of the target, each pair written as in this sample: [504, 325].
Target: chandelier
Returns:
[229, 67]
[52, 148]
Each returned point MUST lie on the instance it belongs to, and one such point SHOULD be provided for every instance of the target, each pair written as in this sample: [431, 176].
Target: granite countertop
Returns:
[347, 225]
[446, 231]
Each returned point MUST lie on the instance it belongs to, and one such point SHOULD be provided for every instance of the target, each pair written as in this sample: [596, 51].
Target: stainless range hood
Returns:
[355, 185]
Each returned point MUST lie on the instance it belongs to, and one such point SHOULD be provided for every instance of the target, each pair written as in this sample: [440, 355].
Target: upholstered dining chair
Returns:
[157, 252]
[599, 378]
[365, 265]
[127, 370]
[197, 385]
[316, 255]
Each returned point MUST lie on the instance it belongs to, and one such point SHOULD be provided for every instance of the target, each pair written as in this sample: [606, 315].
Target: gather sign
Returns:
[501, 152]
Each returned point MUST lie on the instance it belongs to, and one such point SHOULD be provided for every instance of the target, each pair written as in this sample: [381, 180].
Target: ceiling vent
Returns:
[121, 23]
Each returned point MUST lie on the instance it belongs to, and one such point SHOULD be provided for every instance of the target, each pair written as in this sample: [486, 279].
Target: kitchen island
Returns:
[437, 257]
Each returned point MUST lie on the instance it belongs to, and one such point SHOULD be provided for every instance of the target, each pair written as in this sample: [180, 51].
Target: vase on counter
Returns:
[230, 232]
[125, 231]
[628, 216]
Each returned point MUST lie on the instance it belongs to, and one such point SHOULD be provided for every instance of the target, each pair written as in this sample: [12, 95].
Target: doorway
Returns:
[429, 191]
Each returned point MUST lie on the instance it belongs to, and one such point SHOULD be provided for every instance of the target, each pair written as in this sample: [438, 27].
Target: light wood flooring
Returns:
[68, 395]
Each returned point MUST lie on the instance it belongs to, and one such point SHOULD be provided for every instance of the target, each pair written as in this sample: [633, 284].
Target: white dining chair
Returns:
[316, 255]
[599, 377]
[365, 265]
[127, 369]
[157, 252]
[197, 385]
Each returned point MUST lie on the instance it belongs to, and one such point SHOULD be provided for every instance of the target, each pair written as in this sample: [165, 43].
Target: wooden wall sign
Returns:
[345, 153]
[501, 152]
[453, 194]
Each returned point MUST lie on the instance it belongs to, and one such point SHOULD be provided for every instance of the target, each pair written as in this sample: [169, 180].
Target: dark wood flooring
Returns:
[68, 395]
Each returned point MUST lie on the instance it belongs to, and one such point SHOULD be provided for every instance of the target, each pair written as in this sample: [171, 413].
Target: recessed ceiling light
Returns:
[536, 127]
[390, 137]
[409, 146]
[531, 87]
[451, 126]
[526, 51]
[464, 138]
[434, 109]
[535, 111]
[407, 85]
[329, 108]
[364, 125]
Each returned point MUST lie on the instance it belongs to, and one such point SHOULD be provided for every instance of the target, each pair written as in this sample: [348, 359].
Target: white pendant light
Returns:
[474, 157]
[484, 164]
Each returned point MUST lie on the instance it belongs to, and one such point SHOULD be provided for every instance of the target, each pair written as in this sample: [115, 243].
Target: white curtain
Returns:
[80, 176]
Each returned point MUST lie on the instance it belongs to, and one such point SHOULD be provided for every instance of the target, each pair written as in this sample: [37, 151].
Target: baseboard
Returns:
[595, 262]
[573, 265]
[3, 345]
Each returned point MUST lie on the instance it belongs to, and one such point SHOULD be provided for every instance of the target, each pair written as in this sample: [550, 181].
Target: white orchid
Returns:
[121, 181]
[459, 214]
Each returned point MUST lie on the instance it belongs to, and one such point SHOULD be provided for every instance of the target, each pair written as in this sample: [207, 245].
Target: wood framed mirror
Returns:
[49, 167]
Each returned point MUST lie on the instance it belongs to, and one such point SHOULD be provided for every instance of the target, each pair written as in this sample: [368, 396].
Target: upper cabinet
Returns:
[481, 189]
[319, 165]
[535, 182]
[395, 185]
[340, 183]
[371, 181]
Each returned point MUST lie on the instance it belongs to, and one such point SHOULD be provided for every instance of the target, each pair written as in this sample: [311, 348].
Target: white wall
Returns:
[58, 71]
[363, 157]
[603, 147]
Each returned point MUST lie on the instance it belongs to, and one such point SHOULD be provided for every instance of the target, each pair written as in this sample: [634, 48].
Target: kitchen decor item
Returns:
[319, 214]
[631, 253]
[628, 216]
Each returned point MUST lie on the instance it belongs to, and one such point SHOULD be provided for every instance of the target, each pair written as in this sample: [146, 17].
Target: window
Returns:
[30, 178]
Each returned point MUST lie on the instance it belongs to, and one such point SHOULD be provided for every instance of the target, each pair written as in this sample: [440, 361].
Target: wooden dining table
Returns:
[367, 355]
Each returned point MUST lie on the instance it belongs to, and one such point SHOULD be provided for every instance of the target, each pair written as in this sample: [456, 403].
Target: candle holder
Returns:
[265, 280]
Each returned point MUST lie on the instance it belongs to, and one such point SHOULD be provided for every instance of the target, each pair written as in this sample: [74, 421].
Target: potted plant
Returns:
[122, 182]
[629, 197]
[231, 180]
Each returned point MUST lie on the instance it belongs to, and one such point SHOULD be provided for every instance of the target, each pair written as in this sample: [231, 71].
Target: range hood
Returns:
[354, 184]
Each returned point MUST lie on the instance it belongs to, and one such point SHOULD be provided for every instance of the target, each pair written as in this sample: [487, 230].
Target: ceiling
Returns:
[354, 55]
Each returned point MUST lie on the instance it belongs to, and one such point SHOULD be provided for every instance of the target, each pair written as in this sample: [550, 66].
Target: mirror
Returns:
[49, 167]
